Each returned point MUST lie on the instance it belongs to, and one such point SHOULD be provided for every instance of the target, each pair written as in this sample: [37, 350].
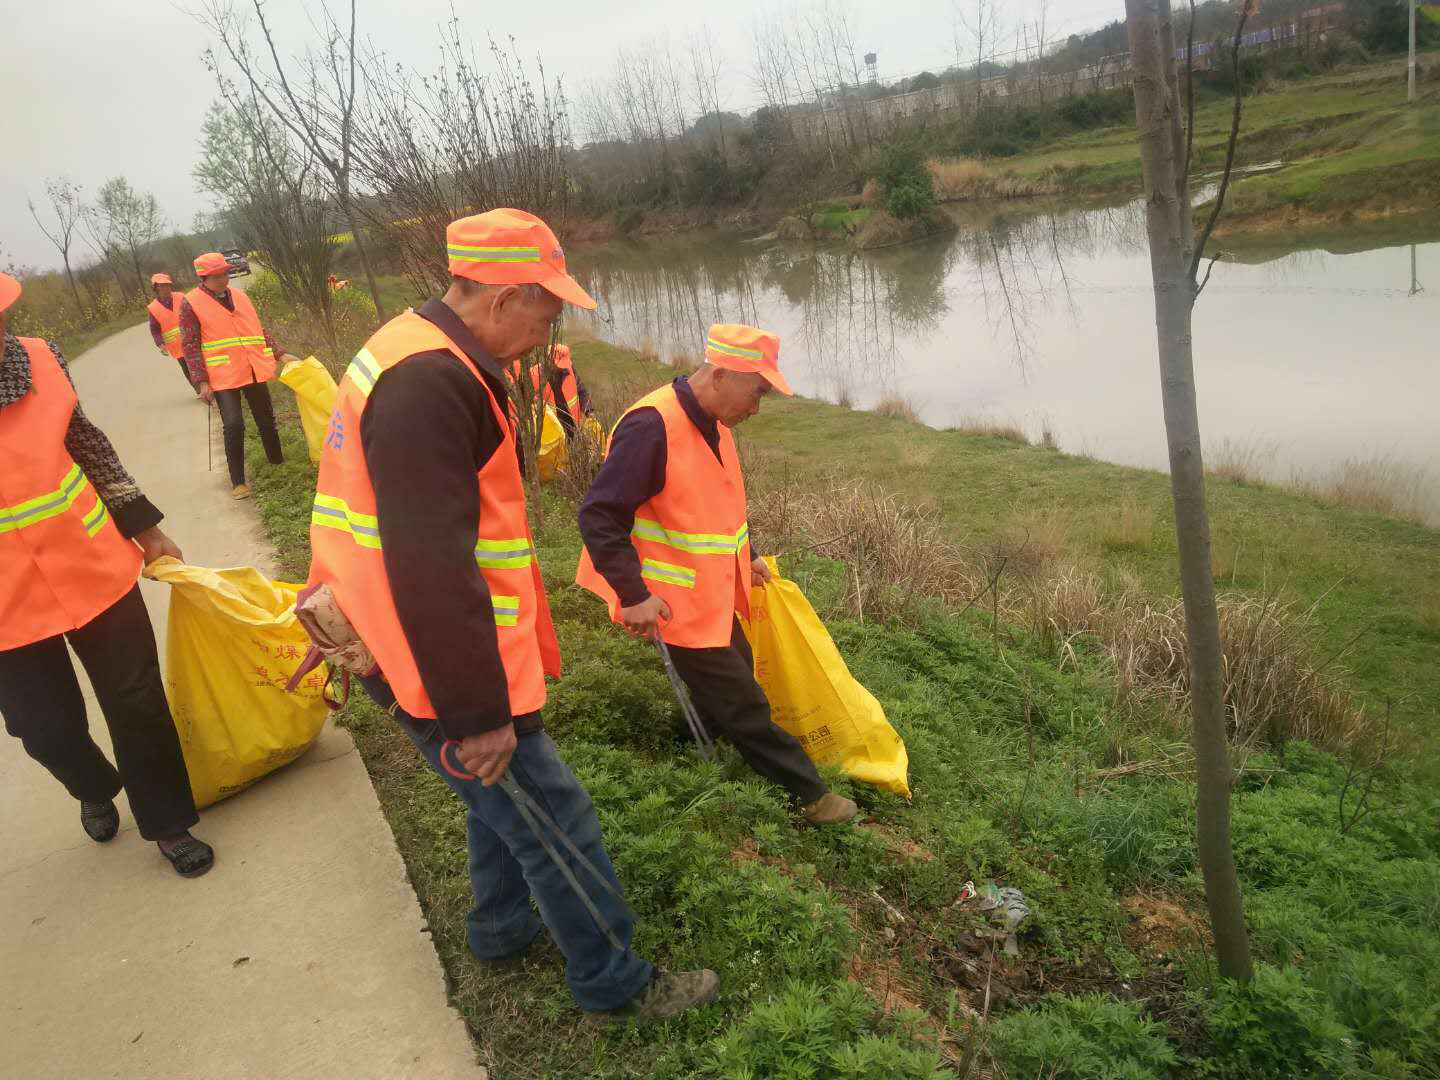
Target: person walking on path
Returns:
[667, 546]
[230, 355]
[165, 324]
[74, 532]
[419, 530]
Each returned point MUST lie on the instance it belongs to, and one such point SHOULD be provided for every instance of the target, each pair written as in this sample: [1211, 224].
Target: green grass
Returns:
[1005, 749]
[1349, 139]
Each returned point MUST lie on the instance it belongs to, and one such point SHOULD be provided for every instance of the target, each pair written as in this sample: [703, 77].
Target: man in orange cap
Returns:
[230, 356]
[165, 323]
[74, 531]
[667, 546]
[419, 531]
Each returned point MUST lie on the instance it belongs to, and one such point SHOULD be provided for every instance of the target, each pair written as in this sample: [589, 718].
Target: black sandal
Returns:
[100, 820]
[190, 857]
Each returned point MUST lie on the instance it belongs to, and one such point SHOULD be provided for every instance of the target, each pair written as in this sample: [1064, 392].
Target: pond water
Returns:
[1304, 360]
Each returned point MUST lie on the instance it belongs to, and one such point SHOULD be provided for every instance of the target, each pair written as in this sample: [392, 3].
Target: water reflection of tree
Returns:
[1019, 265]
[666, 300]
[855, 311]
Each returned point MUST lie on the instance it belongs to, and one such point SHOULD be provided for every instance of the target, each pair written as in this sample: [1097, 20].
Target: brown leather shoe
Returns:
[830, 809]
[668, 993]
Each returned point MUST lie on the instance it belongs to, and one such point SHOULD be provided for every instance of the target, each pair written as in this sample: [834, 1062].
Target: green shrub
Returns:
[1084, 1037]
[1279, 1025]
[810, 1032]
[901, 172]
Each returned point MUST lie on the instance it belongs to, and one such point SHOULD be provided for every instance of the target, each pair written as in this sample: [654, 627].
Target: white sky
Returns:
[95, 88]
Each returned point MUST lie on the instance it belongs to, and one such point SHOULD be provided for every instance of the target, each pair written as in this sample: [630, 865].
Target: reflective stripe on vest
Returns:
[347, 551]
[686, 552]
[232, 344]
[330, 512]
[168, 319]
[62, 561]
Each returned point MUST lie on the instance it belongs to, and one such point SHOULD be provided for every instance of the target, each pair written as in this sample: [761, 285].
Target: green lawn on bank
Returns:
[812, 931]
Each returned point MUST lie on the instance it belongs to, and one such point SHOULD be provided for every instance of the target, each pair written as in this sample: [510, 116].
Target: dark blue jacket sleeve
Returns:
[633, 473]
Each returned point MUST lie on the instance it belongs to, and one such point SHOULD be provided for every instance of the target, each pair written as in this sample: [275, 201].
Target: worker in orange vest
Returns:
[667, 546]
[230, 355]
[419, 531]
[564, 393]
[74, 532]
[165, 323]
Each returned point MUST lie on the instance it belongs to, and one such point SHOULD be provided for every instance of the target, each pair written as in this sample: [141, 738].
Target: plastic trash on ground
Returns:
[1005, 908]
[233, 643]
[315, 392]
[812, 694]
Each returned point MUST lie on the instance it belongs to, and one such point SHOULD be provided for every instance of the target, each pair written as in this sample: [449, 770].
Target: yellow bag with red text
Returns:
[315, 391]
[233, 643]
[812, 694]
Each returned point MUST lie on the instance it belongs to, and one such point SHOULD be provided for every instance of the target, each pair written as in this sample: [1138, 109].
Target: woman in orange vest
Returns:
[419, 530]
[230, 355]
[74, 532]
[667, 546]
[165, 323]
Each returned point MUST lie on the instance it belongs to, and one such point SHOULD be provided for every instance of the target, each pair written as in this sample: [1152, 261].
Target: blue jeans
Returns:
[508, 866]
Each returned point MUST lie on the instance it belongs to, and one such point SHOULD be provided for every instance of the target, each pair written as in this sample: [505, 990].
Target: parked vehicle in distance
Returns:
[239, 265]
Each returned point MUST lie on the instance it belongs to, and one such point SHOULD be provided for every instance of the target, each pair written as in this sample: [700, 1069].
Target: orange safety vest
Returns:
[345, 535]
[169, 320]
[693, 538]
[232, 343]
[62, 561]
[568, 386]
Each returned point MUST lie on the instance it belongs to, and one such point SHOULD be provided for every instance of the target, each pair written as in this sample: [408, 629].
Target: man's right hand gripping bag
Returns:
[812, 694]
[233, 643]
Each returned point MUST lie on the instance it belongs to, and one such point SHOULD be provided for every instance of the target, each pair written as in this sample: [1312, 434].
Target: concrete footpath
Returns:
[302, 954]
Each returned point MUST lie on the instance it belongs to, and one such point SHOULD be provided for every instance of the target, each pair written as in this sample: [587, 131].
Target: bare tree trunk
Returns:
[1158, 112]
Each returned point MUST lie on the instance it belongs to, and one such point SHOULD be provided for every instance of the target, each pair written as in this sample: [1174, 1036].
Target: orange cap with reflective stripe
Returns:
[743, 348]
[511, 247]
[160, 279]
[212, 262]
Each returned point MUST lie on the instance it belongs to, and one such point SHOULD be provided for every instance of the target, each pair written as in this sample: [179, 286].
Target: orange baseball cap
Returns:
[511, 247]
[9, 291]
[160, 279]
[212, 262]
[743, 348]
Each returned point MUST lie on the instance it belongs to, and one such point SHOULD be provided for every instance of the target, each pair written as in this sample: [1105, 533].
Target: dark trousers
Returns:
[730, 702]
[233, 422]
[44, 708]
[508, 865]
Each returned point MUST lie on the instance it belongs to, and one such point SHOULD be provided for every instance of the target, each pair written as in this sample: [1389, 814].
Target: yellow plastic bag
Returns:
[315, 392]
[553, 449]
[233, 644]
[812, 694]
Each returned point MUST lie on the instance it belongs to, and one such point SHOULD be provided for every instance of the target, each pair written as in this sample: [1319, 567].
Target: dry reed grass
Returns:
[1130, 526]
[985, 427]
[898, 557]
[1224, 558]
[1239, 461]
[895, 407]
[1379, 484]
[872, 194]
[579, 330]
[967, 178]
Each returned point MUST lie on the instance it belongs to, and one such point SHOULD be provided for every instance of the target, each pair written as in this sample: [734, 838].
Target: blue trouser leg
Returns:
[599, 976]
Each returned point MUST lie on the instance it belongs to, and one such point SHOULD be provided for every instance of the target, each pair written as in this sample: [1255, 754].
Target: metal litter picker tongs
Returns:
[703, 742]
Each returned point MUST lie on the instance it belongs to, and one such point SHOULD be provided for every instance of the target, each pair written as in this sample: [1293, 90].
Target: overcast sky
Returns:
[95, 88]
